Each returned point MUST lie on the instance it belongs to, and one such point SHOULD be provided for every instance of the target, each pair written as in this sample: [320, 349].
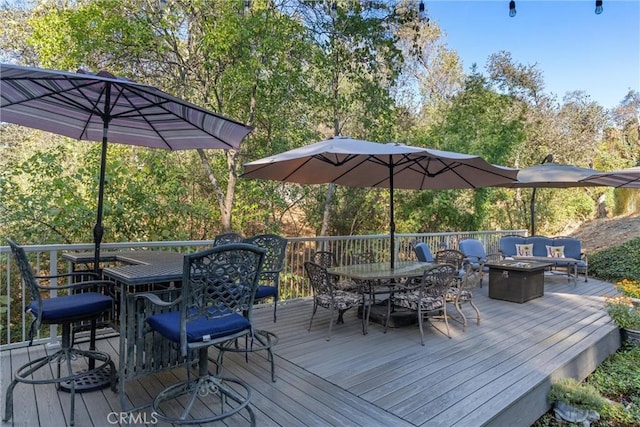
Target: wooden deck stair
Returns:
[495, 374]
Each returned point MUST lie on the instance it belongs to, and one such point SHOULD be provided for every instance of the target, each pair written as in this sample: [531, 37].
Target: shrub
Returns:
[580, 395]
[617, 263]
[623, 311]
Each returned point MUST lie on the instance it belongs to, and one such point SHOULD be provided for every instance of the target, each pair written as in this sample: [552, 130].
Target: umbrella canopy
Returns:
[357, 163]
[549, 175]
[108, 109]
[552, 175]
[629, 178]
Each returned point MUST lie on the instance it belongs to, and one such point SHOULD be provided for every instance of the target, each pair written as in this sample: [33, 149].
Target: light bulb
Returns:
[512, 8]
[598, 7]
[421, 11]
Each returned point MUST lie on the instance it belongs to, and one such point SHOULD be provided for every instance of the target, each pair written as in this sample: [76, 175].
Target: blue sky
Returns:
[573, 47]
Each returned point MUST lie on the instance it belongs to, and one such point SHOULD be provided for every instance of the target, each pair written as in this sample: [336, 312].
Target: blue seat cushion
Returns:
[540, 244]
[473, 249]
[266, 292]
[508, 244]
[423, 253]
[168, 325]
[72, 307]
[572, 247]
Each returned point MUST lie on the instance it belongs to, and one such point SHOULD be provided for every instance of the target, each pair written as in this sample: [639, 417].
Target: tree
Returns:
[246, 64]
[357, 66]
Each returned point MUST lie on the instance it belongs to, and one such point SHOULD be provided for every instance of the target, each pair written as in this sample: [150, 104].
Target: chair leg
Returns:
[330, 322]
[205, 385]
[313, 313]
[476, 309]
[266, 341]
[464, 318]
[275, 308]
[66, 354]
[420, 320]
[446, 319]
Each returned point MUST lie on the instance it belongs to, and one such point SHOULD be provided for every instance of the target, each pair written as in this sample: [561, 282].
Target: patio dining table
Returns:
[380, 274]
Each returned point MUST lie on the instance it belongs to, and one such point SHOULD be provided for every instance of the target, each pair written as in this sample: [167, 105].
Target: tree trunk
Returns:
[327, 209]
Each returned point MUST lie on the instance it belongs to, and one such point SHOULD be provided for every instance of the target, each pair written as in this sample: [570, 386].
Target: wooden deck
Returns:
[494, 374]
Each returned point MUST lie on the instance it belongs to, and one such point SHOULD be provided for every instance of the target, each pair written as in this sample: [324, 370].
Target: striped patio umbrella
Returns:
[356, 163]
[101, 107]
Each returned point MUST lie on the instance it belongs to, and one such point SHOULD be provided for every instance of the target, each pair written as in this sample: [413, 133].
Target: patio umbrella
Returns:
[549, 175]
[356, 163]
[628, 178]
[108, 109]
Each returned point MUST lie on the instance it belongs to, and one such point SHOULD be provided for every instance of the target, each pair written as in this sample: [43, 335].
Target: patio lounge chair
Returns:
[475, 254]
[423, 253]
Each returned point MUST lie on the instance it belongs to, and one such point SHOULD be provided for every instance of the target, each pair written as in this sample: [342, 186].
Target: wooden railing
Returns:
[47, 259]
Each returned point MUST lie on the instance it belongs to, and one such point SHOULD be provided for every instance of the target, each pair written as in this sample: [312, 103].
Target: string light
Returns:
[422, 12]
[598, 7]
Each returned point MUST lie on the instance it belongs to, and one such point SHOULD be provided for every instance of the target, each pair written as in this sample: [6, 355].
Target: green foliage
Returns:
[297, 74]
[623, 312]
[4, 302]
[619, 374]
[617, 263]
[580, 395]
[618, 378]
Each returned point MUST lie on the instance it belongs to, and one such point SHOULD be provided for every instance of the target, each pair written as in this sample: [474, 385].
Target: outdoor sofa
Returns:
[555, 250]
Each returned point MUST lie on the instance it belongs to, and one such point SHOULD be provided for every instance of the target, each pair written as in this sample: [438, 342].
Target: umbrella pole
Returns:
[532, 208]
[98, 229]
[392, 228]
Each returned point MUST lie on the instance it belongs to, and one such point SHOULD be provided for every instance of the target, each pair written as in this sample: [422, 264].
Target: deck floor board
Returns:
[495, 373]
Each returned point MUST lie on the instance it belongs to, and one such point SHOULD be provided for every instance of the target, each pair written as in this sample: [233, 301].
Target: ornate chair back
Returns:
[269, 282]
[225, 238]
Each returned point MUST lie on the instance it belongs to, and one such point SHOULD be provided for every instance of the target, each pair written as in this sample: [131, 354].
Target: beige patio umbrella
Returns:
[550, 175]
[628, 178]
[357, 163]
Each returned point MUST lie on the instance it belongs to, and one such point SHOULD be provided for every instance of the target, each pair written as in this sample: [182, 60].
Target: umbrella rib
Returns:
[56, 95]
[59, 95]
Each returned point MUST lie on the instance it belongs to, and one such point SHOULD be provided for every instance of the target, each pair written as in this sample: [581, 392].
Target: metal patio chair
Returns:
[269, 283]
[82, 303]
[327, 296]
[428, 297]
[215, 306]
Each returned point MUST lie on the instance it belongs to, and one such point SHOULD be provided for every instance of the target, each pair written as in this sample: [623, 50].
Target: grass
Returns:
[618, 377]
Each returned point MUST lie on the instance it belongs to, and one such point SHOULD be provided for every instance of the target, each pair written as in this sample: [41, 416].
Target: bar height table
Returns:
[135, 271]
